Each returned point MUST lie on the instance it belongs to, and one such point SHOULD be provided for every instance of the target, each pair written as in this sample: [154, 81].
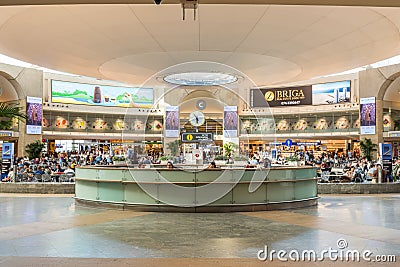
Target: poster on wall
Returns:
[101, 95]
[172, 121]
[316, 94]
[34, 113]
[230, 121]
[367, 115]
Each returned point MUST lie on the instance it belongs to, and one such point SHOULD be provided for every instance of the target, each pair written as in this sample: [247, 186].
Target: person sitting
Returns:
[170, 165]
[39, 171]
[69, 170]
[10, 176]
[349, 176]
[212, 165]
[379, 175]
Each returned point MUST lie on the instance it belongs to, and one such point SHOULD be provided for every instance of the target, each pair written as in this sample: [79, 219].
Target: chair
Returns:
[46, 178]
[37, 177]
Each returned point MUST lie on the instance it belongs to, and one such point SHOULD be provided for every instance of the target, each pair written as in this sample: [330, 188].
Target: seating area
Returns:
[45, 178]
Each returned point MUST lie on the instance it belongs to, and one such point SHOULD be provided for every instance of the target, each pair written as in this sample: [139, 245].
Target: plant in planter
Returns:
[34, 150]
[118, 160]
[229, 149]
[174, 147]
[367, 147]
[293, 160]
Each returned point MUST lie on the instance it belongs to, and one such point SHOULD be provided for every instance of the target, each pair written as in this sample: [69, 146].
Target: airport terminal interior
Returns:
[199, 133]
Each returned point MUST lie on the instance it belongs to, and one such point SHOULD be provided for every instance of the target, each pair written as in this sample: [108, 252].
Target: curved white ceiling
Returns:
[270, 44]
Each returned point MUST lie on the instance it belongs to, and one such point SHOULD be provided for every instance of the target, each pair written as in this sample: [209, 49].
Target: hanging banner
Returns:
[367, 115]
[34, 112]
[7, 154]
[230, 121]
[172, 121]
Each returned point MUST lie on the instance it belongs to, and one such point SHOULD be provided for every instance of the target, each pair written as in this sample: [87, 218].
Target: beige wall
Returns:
[25, 82]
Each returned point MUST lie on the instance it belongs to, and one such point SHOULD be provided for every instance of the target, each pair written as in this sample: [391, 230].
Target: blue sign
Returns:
[386, 151]
[7, 150]
[288, 142]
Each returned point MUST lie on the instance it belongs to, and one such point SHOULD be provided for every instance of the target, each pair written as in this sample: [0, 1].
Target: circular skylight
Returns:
[200, 78]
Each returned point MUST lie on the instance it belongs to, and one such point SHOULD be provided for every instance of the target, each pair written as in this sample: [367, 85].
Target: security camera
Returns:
[157, 2]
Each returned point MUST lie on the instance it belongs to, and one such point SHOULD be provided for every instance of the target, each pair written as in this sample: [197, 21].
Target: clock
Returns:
[197, 118]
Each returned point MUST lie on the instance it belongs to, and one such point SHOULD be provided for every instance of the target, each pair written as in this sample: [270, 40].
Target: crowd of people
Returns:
[349, 167]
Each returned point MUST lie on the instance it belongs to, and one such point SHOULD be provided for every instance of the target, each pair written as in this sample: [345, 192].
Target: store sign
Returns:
[316, 94]
[394, 134]
[6, 134]
[289, 142]
[196, 137]
[367, 115]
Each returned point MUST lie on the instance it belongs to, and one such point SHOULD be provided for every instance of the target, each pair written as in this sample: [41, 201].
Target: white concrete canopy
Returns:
[271, 44]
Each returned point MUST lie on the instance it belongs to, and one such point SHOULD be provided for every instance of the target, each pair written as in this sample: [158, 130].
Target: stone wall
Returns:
[358, 188]
[65, 188]
[38, 188]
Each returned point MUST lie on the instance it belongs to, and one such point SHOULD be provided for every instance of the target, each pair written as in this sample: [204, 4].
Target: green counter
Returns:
[194, 190]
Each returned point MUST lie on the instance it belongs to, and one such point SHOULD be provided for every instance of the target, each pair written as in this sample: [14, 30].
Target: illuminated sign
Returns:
[281, 96]
[101, 95]
[197, 137]
[316, 94]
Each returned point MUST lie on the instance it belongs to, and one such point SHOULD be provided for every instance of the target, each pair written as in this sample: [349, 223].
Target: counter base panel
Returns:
[210, 208]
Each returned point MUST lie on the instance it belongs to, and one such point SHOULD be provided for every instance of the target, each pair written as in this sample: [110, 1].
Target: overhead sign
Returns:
[316, 94]
[197, 137]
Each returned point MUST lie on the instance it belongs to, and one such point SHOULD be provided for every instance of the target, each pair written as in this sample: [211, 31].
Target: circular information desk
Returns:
[197, 190]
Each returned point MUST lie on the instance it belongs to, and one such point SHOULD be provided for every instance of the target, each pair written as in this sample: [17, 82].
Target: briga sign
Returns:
[274, 97]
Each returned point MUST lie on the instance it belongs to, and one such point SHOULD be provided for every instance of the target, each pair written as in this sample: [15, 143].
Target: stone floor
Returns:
[50, 230]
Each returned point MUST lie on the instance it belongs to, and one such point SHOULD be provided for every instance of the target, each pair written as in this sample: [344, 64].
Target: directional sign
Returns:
[197, 137]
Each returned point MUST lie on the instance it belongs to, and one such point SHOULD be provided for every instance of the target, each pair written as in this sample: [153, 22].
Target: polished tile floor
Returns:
[50, 230]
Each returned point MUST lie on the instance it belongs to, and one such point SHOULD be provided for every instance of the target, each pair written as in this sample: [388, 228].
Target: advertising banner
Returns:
[230, 121]
[7, 154]
[101, 95]
[172, 121]
[317, 94]
[34, 111]
[367, 115]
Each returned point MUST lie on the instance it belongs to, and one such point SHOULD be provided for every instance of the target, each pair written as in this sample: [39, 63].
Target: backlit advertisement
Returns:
[316, 94]
[34, 112]
[100, 95]
[367, 115]
[172, 121]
